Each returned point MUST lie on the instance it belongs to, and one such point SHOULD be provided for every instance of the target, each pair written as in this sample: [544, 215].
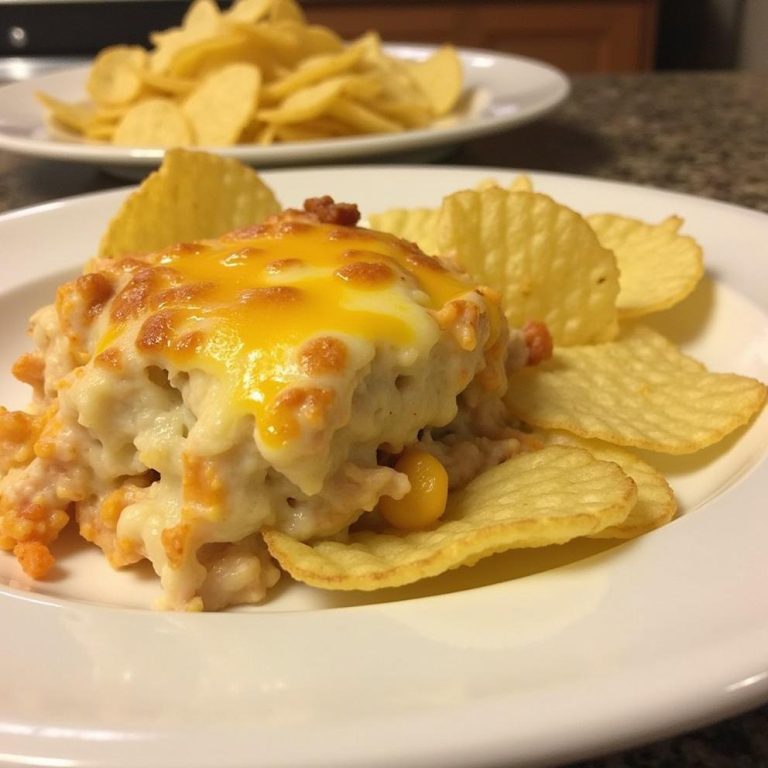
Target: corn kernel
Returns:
[425, 502]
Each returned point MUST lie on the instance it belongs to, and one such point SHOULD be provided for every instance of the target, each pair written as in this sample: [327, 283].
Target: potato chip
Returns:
[202, 20]
[221, 106]
[266, 135]
[315, 40]
[440, 78]
[656, 504]
[361, 118]
[286, 10]
[75, 117]
[300, 67]
[658, 266]
[365, 88]
[166, 46]
[274, 47]
[103, 122]
[208, 55]
[249, 11]
[294, 133]
[398, 95]
[305, 104]
[637, 391]
[396, 70]
[192, 196]
[166, 84]
[155, 122]
[542, 256]
[409, 112]
[407, 106]
[322, 128]
[115, 75]
[202, 16]
[532, 500]
[312, 71]
[418, 225]
[521, 183]
[100, 130]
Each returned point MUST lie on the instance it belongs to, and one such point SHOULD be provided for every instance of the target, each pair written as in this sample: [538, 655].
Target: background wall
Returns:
[753, 48]
[577, 35]
[699, 34]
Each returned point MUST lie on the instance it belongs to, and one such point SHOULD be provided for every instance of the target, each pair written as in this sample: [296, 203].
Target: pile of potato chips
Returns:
[612, 384]
[257, 73]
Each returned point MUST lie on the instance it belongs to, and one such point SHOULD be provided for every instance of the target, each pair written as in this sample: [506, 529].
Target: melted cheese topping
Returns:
[241, 309]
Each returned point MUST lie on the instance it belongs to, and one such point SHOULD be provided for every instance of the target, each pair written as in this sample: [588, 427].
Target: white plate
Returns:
[527, 658]
[502, 91]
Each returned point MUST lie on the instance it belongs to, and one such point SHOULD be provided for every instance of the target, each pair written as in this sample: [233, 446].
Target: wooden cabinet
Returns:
[576, 35]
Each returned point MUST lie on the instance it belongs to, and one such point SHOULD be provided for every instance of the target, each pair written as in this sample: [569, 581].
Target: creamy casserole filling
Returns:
[186, 399]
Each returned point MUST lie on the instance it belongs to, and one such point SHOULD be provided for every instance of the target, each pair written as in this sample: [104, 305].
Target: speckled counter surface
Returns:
[704, 134]
[701, 133]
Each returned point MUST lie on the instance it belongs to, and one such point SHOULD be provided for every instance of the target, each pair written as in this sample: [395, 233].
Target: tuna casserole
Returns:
[186, 399]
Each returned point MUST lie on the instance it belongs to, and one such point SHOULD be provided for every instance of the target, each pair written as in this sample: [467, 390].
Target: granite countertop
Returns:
[700, 133]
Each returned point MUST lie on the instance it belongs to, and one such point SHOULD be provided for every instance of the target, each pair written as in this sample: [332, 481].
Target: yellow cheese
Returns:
[241, 308]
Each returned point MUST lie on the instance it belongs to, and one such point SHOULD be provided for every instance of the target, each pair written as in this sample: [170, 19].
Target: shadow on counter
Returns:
[550, 144]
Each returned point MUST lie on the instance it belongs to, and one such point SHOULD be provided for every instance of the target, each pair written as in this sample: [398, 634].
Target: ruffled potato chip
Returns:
[658, 266]
[202, 57]
[155, 122]
[543, 257]
[249, 11]
[532, 500]
[314, 70]
[192, 196]
[361, 118]
[656, 504]
[221, 106]
[440, 78]
[637, 391]
[166, 84]
[286, 10]
[100, 130]
[87, 119]
[202, 20]
[322, 128]
[315, 40]
[307, 103]
[408, 111]
[115, 77]
[418, 225]
[276, 48]
[521, 183]
[75, 117]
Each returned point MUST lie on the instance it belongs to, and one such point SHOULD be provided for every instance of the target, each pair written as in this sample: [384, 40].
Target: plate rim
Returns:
[741, 699]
